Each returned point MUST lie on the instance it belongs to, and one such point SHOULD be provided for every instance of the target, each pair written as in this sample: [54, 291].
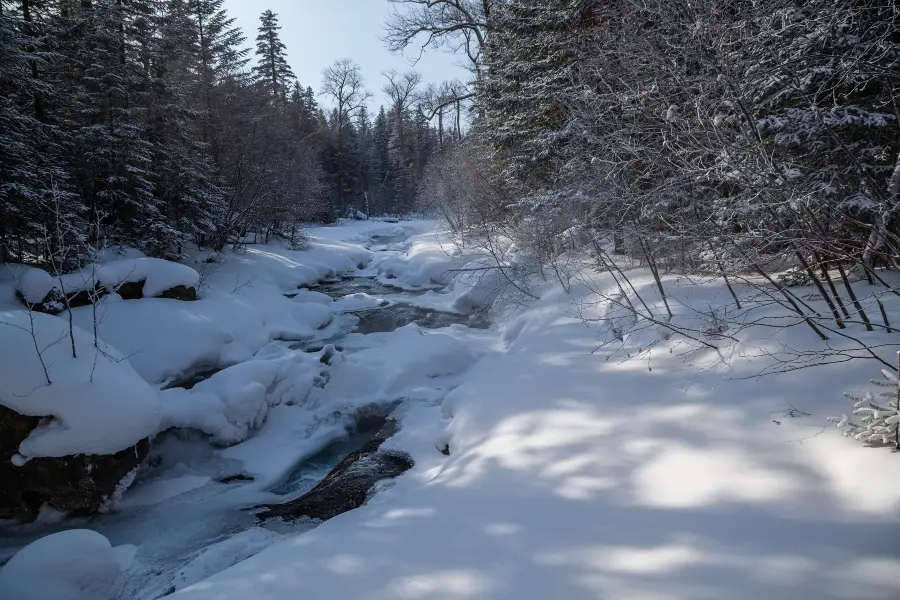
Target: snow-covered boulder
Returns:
[71, 565]
[74, 418]
[131, 279]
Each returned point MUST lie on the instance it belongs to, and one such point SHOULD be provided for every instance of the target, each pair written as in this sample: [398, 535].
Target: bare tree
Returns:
[343, 83]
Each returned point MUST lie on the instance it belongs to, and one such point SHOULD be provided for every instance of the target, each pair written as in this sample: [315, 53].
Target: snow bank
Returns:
[234, 402]
[71, 565]
[99, 404]
[425, 263]
[577, 473]
[224, 554]
[158, 275]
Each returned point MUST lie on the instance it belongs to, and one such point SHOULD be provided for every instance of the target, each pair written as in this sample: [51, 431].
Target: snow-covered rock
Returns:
[73, 442]
[131, 278]
[78, 564]
[234, 402]
[95, 401]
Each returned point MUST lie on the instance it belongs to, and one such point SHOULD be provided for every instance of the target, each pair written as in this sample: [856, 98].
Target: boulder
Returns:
[78, 485]
[347, 486]
[180, 292]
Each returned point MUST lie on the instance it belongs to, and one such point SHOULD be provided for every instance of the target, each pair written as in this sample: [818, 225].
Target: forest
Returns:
[154, 124]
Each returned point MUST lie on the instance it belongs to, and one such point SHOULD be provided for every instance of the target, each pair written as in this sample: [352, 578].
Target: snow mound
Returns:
[33, 284]
[233, 403]
[71, 565]
[98, 403]
[427, 262]
[158, 275]
[311, 316]
[162, 338]
[359, 301]
[306, 295]
[407, 366]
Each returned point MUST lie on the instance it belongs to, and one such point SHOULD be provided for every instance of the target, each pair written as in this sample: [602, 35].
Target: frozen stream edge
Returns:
[185, 521]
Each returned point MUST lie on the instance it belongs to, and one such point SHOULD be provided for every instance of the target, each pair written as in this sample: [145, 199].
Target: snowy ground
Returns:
[572, 473]
[272, 403]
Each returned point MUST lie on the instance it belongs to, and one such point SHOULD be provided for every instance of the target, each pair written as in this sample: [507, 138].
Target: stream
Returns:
[186, 518]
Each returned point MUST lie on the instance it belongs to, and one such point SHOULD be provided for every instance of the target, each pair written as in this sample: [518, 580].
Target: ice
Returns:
[98, 403]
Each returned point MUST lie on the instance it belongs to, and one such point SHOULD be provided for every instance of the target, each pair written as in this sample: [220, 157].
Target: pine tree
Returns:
[218, 51]
[532, 57]
[272, 69]
[29, 165]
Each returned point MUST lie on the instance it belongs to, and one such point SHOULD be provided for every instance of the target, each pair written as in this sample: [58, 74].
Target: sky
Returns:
[318, 32]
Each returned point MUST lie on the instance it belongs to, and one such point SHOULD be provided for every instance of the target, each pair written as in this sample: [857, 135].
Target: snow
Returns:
[113, 271]
[306, 295]
[233, 403]
[98, 403]
[584, 462]
[72, 565]
[33, 284]
[578, 472]
[359, 301]
[158, 275]
[422, 262]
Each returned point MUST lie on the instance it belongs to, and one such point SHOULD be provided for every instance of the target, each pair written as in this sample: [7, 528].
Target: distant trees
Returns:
[144, 123]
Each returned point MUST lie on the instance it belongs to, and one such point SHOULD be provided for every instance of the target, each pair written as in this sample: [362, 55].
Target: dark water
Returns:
[311, 470]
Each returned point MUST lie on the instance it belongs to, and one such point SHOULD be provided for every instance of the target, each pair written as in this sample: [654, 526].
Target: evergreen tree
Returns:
[272, 69]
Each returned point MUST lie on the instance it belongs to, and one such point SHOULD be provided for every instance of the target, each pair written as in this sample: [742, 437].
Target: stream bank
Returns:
[184, 513]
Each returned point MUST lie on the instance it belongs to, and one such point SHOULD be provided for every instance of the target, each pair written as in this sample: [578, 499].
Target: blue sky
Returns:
[318, 32]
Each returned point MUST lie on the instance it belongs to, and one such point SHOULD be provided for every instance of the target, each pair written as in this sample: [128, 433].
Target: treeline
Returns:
[731, 138]
[152, 123]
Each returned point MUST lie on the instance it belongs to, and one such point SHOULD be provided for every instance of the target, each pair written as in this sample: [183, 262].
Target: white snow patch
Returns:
[71, 565]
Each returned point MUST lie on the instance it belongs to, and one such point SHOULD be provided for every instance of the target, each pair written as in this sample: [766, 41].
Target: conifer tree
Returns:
[272, 69]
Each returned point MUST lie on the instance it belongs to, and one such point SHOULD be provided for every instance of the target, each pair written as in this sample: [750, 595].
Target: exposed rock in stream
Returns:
[79, 484]
[347, 486]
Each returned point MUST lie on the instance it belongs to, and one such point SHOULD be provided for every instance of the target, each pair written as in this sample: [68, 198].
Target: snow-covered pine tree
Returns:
[531, 57]
[217, 47]
[30, 164]
[107, 139]
[272, 69]
[182, 171]
[820, 86]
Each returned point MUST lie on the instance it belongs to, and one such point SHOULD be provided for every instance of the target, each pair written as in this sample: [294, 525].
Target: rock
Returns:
[131, 290]
[180, 292]
[77, 485]
[347, 486]
[54, 303]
